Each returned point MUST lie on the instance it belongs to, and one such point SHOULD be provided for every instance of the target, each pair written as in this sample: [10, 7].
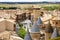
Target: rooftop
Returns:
[35, 28]
[39, 21]
[27, 36]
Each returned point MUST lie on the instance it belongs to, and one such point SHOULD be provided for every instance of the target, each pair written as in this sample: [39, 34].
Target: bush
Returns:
[51, 7]
[21, 32]
[12, 7]
[7, 8]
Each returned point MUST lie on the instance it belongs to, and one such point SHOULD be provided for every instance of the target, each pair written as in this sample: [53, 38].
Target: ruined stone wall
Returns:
[2, 26]
[9, 26]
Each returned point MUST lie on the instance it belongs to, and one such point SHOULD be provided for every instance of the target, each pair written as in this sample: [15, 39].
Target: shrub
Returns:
[51, 7]
[12, 7]
[20, 24]
[21, 32]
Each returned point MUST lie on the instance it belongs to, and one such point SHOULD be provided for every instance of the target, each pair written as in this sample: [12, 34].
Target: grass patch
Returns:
[58, 38]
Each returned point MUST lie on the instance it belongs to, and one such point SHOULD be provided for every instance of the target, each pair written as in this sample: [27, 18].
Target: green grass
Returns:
[45, 6]
[51, 7]
[58, 38]
[18, 5]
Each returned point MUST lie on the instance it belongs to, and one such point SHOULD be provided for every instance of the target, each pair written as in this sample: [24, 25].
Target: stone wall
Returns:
[6, 25]
[9, 26]
[2, 26]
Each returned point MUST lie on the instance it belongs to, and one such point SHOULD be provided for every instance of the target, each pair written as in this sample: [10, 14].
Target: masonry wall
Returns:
[9, 26]
[2, 26]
